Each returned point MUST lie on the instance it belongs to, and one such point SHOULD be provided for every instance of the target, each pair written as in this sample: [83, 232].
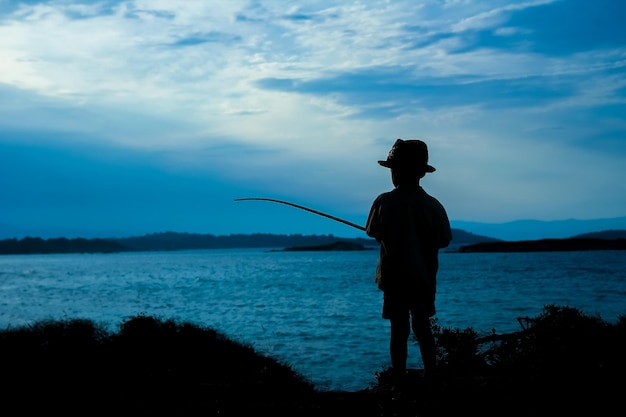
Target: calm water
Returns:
[316, 311]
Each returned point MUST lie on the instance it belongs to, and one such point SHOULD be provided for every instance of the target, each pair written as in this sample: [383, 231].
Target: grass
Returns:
[560, 361]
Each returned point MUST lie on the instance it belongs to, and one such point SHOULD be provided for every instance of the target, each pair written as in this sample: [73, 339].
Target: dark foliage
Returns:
[561, 361]
[150, 366]
[168, 241]
[30, 245]
[560, 341]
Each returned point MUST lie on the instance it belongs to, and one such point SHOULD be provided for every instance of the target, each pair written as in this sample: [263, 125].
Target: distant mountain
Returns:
[511, 231]
[171, 241]
[461, 238]
[177, 241]
[536, 229]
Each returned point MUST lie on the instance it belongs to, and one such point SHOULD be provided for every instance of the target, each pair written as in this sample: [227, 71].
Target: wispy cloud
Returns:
[301, 98]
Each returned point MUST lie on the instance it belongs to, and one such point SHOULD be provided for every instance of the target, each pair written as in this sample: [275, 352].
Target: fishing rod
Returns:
[306, 209]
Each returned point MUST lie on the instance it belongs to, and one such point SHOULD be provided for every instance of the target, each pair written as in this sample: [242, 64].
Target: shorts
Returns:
[400, 305]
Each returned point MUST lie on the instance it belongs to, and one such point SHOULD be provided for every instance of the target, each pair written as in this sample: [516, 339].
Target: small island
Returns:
[335, 246]
[547, 245]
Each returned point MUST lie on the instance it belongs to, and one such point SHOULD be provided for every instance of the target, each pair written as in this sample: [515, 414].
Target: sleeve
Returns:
[372, 227]
[445, 230]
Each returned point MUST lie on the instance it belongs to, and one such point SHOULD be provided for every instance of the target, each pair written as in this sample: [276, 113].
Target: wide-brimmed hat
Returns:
[411, 153]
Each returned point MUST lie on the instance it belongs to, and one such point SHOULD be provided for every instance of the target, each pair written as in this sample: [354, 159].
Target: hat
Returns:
[408, 154]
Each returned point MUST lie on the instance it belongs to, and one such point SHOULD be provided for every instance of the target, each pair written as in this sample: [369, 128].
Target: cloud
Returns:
[300, 99]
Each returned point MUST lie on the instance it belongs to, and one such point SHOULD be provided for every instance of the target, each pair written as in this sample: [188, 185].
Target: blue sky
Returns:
[121, 118]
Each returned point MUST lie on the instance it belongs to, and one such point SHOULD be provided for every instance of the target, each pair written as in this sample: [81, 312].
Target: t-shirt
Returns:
[411, 226]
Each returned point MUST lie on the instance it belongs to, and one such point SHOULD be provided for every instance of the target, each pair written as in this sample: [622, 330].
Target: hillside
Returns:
[171, 241]
[529, 229]
[606, 234]
[605, 240]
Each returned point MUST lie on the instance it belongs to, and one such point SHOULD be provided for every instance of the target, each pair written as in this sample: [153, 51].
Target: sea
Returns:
[318, 312]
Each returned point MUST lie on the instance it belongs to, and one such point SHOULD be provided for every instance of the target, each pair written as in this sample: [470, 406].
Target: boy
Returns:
[411, 226]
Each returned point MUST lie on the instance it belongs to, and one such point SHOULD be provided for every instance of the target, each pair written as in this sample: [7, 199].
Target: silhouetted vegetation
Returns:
[31, 245]
[150, 366]
[561, 361]
[168, 241]
[560, 342]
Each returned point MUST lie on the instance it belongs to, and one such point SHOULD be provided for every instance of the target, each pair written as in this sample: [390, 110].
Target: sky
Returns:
[123, 118]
